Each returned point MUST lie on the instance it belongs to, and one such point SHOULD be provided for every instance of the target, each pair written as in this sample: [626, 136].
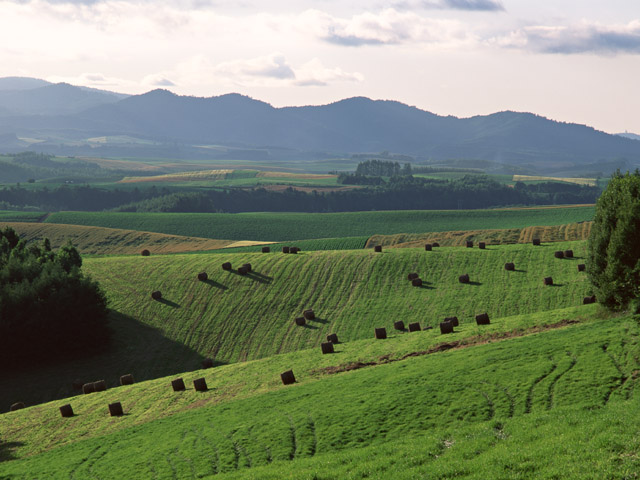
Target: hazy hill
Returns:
[21, 83]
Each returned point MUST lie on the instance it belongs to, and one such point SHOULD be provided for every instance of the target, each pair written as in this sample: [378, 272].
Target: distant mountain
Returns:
[353, 125]
[632, 136]
[21, 83]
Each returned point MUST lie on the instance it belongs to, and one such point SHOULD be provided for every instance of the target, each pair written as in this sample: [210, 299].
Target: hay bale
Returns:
[293, 250]
[200, 384]
[157, 295]
[428, 247]
[411, 276]
[248, 267]
[285, 249]
[416, 282]
[332, 337]
[17, 406]
[308, 314]
[399, 325]
[582, 267]
[589, 300]
[452, 320]
[226, 266]
[177, 385]
[300, 321]
[536, 242]
[469, 244]
[464, 278]
[482, 319]
[242, 270]
[145, 253]
[593, 299]
[88, 388]
[115, 409]
[414, 327]
[77, 384]
[446, 327]
[568, 253]
[288, 377]
[559, 254]
[327, 347]
[207, 363]
[482, 245]
[381, 333]
[66, 410]
[435, 244]
[203, 277]
[548, 281]
[377, 248]
[126, 379]
[100, 386]
[510, 266]
[266, 249]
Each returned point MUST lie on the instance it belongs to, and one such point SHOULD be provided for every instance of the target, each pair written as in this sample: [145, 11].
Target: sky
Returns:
[569, 60]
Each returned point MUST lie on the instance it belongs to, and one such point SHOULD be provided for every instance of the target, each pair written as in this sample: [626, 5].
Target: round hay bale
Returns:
[145, 253]
[593, 299]
[207, 363]
[428, 247]
[248, 267]
[177, 385]
[559, 254]
[568, 253]
[399, 325]
[243, 270]
[414, 327]
[381, 333]
[17, 406]
[446, 327]
[453, 321]
[482, 245]
[77, 384]
[88, 388]
[411, 276]
[157, 295]
[416, 282]
[226, 266]
[435, 244]
[66, 410]
[100, 386]
[482, 319]
[548, 281]
[300, 321]
[288, 377]
[115, 409]
[203, 277]
[308, 314]
[332, 337]
[536, 242]
[126, 379]
[510, 266]
[377, 248]
[266, 250]
[285, 249]
[327, 347]
[586, 300]
[464, 278]
[200, 384]
[293, 250]
[469, 244]
[582, 267]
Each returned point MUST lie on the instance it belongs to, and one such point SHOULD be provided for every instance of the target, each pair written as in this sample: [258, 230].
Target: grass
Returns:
[13, 216]
[343, 243]
[301, 226]
[556, 404]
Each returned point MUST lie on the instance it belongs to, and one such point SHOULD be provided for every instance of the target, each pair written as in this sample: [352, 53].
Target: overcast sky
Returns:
[570, 60]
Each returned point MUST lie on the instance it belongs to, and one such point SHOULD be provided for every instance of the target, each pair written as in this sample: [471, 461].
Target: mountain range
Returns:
[61, 118]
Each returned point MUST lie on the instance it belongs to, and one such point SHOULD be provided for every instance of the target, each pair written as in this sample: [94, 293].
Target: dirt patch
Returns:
[444, 346]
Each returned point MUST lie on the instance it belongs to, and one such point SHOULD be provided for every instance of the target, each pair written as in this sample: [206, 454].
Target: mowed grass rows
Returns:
[469, 412]
[300, 226]
[233, 317]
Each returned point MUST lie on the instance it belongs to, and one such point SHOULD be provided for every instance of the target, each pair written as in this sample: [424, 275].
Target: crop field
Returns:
[278, 227]
[343, 243]
[592, 182]
[12, 216]
[554, 233]
[554, 401]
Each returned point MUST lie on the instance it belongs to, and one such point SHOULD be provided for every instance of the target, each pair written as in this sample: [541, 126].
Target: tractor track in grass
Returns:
[623, 376]
[529, 401]
[557, 377]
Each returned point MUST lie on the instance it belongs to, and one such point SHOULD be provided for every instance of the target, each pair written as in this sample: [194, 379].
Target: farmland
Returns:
[12, 216]
[301, 226]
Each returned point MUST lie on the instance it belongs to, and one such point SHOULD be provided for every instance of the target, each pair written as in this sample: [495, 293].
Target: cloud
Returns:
[473, 5]
[273, 66]
[582, 38]
[157, 80]
[314, 73]
[96, 80]
[388, 27]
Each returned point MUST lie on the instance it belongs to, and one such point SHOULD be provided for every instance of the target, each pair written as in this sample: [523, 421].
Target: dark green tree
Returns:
[613, 263]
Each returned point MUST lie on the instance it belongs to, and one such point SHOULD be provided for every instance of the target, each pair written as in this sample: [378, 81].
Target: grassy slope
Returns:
[300, 226]
[558, 404]
[236, 318]
[12, 216]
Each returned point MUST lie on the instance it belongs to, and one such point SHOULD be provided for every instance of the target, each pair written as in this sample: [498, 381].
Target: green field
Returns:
[13, 216]
[558, 402]
[300, 226]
